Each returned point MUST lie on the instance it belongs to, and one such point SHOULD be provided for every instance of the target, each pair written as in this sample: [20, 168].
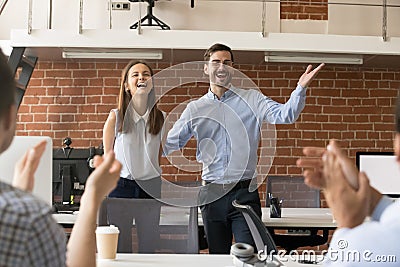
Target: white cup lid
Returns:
[112, 229]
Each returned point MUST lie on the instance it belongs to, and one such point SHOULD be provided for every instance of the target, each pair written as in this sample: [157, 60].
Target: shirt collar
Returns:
[137, 117]
[226, 95]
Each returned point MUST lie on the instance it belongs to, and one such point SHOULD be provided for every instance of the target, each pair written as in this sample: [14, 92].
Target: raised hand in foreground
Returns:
[25, 168]
[81, 250]
[347, 192]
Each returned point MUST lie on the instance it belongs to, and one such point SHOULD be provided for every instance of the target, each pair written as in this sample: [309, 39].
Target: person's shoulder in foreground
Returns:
[29, 236]
[371, 243]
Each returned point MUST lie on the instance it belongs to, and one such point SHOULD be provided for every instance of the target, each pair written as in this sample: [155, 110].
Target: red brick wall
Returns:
[353, 104]
[304, 9]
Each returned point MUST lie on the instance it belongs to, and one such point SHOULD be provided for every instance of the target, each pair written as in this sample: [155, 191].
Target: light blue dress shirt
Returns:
[373, 243]
[227, 130]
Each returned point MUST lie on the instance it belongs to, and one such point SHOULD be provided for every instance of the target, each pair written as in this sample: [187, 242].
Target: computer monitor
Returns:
[382, 170]
[8, 159]
[71, 168]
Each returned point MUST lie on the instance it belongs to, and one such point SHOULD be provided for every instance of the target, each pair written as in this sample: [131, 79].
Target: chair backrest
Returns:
[260, 234]
[294, 192]
[160, 228]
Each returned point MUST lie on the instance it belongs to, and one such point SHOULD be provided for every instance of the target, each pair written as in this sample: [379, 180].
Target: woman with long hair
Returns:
[133, 131]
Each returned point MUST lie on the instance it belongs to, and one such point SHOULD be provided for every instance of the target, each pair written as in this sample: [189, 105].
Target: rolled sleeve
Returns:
[180, 133]
[289, 112]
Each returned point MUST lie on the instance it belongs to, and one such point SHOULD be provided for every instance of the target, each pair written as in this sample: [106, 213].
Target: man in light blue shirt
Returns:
[226, 123]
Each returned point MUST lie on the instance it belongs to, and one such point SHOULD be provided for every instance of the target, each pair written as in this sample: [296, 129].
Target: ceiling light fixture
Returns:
[313, 58]
[113, 54]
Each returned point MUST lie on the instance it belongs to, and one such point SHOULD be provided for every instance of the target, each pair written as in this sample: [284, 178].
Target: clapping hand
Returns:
[314, 165]
[105, 177]
[26, 167]
[347, 192]
[349, 206]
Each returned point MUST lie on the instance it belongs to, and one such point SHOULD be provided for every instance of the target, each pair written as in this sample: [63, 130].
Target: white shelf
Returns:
[56, 40]
[174, 39]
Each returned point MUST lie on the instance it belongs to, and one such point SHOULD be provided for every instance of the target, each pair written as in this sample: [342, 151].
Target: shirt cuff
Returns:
[380, 208]
[300, 90]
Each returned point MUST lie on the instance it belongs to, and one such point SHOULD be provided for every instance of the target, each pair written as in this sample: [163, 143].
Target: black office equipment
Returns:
[295, 194]
[70, 172]
[22, 67]
[151, 19]
[275, 206]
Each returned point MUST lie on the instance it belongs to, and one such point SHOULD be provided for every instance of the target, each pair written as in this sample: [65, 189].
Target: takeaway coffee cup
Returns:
[107, 241]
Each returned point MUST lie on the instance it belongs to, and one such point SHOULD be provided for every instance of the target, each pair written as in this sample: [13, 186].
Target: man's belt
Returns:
[233, 186]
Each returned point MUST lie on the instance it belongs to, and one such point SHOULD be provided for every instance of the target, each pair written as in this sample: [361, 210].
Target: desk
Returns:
[167, 260]
[309, 219]
[320, 218]
[65, 219]
[179, 260]
[168, 216]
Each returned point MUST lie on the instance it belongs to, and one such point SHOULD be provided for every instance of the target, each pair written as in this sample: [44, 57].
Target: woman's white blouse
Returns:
[136, 148]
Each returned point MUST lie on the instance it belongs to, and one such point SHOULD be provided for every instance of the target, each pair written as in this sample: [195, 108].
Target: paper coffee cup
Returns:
[107, 241]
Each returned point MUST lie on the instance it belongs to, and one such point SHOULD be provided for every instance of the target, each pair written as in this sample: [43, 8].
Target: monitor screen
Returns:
[71, 168]
[382, 170]
[18, 147]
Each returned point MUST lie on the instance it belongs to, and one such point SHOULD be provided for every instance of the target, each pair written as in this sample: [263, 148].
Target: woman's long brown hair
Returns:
[156, 118]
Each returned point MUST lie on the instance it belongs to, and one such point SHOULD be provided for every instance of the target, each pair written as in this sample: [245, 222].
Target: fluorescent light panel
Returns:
[113, 55]
[313, 58]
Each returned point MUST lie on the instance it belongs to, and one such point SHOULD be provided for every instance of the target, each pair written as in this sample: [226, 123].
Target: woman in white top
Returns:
[133, 131]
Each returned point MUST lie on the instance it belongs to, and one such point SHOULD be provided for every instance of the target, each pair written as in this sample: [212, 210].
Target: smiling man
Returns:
[226, 124]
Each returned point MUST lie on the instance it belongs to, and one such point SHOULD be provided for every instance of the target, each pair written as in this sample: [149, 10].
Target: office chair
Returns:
[295, 194]
[149, 17]
[261, 236]
[153, 235]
